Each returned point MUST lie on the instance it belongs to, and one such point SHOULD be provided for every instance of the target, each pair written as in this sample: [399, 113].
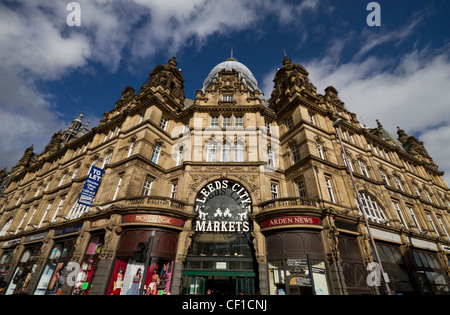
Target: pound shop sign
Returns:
[223, 206]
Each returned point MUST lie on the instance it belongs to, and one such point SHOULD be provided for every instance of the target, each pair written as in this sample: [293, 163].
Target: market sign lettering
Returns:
[294, 220]
[223, 206]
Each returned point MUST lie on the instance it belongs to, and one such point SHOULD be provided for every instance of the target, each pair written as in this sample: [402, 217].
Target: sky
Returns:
[51, 70]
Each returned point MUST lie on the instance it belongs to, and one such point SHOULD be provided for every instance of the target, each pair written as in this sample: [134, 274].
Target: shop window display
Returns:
[88, 266]
[54, 275]
[5, 259]
[24, 271]
[128, 275]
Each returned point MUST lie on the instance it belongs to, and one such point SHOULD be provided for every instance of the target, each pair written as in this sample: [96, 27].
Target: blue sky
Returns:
[50, 72]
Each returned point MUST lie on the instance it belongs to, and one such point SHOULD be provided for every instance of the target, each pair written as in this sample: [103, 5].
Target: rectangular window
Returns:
[214, 121]
[289, 123]
[398, 182]
[163, 123]
[75, 173]
[156, 152]
[211, 152]
[413, 216]
[274, 190]
[441, 223]
[267, 125]
[348, 162]
[399, 213]
[301, 188]
[226, 121]
[227, 97]
[311, 119]
[147, 187]
[21, 221]
[58, 210]
[239, 152]
[430, 219]
[62, 180]
[39, 190]
[31, 218]
[363, 168]
[173, 191]
[271, 157]
[107, 160]
[384, 177]
[50, 204]
[179, 157]
[428, 195]
[329, 188]
[320, 150]
[239, 121]
[130, 151]
[225, 156]
[416, 190]
[295, 155]
[119, 183]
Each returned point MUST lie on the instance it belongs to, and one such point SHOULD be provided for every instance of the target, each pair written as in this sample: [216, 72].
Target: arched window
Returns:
[363, 168]
[372, 209]
[211, 153]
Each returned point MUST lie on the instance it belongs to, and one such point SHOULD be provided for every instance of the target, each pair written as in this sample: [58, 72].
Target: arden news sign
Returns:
[292, 220]
[223, 206]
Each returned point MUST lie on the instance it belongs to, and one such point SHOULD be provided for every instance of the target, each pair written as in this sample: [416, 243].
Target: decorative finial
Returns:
[380, 126]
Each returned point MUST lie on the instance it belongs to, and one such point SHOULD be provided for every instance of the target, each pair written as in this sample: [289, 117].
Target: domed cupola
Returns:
[244, 74]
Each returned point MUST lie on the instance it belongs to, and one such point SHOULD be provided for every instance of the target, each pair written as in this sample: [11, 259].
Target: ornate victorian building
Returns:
[228, 191]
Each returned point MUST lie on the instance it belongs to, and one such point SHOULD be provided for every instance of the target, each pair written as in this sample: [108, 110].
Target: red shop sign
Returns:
[150, 218]
[295, 220]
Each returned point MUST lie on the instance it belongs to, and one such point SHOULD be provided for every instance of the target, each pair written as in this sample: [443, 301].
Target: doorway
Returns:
[214, 283]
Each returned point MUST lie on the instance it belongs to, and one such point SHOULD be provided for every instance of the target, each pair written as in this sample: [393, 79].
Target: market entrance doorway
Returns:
[219, 283]
[221, 257]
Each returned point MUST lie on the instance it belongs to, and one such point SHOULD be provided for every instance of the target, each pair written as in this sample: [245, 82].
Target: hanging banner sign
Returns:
[90, 186]
[223, 206]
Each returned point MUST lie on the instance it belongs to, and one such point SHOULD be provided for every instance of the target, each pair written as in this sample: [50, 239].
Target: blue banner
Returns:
[90, 186]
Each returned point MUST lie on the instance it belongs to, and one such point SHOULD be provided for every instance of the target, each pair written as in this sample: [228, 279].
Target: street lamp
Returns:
[336, 125]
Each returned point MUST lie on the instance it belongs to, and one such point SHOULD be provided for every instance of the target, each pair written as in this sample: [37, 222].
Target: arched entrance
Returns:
[221, 257]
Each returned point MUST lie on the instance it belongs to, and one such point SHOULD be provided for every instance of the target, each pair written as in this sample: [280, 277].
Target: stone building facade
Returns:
[230, 191]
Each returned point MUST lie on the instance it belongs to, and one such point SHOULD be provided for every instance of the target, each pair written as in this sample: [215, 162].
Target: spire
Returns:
[380, 126]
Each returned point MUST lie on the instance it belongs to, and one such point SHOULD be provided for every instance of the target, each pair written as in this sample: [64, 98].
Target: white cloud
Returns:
[36, 44]
[411, 93]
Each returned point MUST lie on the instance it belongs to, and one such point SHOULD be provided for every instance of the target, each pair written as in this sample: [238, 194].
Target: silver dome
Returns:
[244, 74]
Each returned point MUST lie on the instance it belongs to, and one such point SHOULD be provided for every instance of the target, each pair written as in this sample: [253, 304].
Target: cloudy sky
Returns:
[398, 72]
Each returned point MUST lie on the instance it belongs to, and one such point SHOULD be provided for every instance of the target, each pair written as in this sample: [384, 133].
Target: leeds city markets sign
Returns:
[223, 206]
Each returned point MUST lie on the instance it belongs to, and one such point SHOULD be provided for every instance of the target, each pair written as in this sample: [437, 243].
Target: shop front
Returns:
[295, 256]
[24, 270]
[89, 265]
[137, 244]
[54, 274]
[6, 257]
[221, 258]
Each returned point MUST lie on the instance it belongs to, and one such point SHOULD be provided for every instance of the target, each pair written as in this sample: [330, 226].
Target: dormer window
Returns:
[227, 97]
